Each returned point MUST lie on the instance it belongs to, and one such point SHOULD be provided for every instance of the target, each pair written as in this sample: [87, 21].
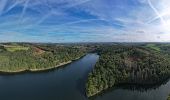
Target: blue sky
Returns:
[84, 21]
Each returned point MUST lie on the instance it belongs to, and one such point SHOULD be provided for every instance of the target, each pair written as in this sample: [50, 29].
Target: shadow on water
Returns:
[142, 88]
[131, 87]
[81, 83]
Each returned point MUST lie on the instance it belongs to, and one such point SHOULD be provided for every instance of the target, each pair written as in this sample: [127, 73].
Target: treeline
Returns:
[127, 65]
[37, 57]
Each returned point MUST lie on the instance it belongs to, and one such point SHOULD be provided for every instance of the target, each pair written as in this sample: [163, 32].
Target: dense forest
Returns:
[16, 57]
[142, 64]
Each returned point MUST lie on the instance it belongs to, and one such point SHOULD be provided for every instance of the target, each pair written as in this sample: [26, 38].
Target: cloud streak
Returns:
[2, 5]
[156, 11]
[83, 20]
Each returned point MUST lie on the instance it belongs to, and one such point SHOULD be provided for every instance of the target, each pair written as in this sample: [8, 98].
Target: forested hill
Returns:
[16, 57]
[126, 64]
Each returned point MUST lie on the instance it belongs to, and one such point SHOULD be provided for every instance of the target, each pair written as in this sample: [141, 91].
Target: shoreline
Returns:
[41, 69]
[118, 85]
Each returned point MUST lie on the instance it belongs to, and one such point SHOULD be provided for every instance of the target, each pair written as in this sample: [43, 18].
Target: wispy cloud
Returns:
[84, 20]
[24, 9]
[3, 3]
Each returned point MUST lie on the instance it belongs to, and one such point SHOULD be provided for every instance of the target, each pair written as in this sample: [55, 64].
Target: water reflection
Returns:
[135, 92]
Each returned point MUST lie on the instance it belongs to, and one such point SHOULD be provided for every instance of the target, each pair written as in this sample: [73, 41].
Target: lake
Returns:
[68, 83]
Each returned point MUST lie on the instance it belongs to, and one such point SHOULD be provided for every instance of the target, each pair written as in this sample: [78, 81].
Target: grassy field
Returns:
[153, 46]
[13, 48]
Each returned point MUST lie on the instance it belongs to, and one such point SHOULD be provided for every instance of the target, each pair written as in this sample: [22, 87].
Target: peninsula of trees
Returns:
[140, 64]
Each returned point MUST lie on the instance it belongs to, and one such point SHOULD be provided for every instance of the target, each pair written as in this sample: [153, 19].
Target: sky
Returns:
[84, 21]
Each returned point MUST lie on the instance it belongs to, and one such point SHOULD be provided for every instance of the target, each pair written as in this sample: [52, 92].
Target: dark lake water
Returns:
[68, 83]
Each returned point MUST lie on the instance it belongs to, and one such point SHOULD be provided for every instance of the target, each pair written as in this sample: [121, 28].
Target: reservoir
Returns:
[68, 83]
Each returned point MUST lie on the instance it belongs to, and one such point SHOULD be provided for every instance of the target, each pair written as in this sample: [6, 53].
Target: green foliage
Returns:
[127, 65]
[38, 57]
